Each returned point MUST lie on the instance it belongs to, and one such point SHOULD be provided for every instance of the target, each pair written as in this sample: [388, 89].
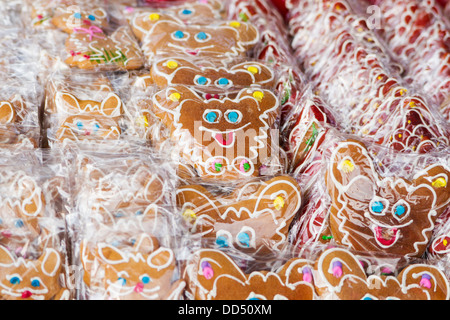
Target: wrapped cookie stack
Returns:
[225, 150]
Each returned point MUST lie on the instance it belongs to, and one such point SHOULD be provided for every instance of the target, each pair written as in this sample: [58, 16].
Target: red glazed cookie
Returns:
[340, 275]
[254, 218]
[222, 138]
[172, 71]
[213, 275]
[166, 35]
[144, 271]
[374, 213]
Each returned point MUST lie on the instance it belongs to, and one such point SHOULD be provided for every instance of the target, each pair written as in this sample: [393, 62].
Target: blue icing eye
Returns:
[377, 207]
[367, 298]
[19, 223]
[222, 241]
[202, 81]
[91, 17]
[179, 34]
[202, 36]
[77, 15]
[400, 210]
[80, 125]
[233, 117]
[146, 279]
[139, 213]
[15, 280]
[211, 117]
[122, 281]
[186, 12]
[96, 127]
[119, 215]
[133, 241]
[115, 243]
[223, 81]
[244, 239]
[35, 283]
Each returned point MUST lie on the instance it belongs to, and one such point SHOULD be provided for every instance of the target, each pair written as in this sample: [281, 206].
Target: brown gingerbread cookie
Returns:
[222, 138]
[73, 18]
[213, 275]
[339, 274]
[142, 271]
[165, 35]
[254, 218]
[370, 212]
[172, 71]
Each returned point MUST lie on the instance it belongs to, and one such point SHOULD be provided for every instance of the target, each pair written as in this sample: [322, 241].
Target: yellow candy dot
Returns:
[258, 95]
[142, 121]
[172, 64]
[189, 215]
[347, 166]
[175, 97]
[235, 24]
[439, 183]
[445, 242]
[154, 17]
[253, 70]
[278, 203]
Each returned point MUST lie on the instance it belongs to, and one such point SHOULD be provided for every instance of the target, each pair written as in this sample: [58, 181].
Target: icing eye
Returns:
[202, 36]
[14, 280]
[139, 213]
[186, 12]
[119, 215]
[122, 281]
[91, 17]
[233, 117]
[202, 81]
[178, 34]
[244, 239]
[19, 223]
[35, 283]
[96, 127]
[80, 125]
[377, 207]
[400, 210]
[222, 241]
[145, 279]
[77, 15]
[223, 82]
[211, 117]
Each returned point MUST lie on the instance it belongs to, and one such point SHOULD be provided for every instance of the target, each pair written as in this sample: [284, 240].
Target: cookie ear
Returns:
[265, 99]
[161, 259]
[6, 259]
[7, 113]
[142, 23]
[66, 101]
[146, 244]
[248, 34]
[261, 74]
[437, 178]
[428, 278]
[51, 262]
[297, 270]
[112, 106]
[111, 255]
[197, 204]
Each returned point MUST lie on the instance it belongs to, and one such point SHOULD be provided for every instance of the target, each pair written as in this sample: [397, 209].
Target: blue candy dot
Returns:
[222, 241]
[253, 299]
[96, 127]
[80, 125]
[14, 280]
[186, 11]
[367, 298]
[211, 117]
[179, 34]
[139, 213]
[118, 215]
[35, 283]
[202, 36]
[145, 280]
[19, 223]
[400, 210]
[202, 81]
[91, 17]
[244, 239]
[122, 281]
[223, 81]
[233, 117]
[77, 15]
[377, 207]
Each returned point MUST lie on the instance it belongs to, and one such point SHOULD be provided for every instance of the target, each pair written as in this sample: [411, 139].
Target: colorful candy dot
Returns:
[347, 166]
[179, 34]
[253, 70]
[189, 214]
[172, 64]
[77, 15]
[233, 117]
[35, 283]
[175, 97]
[278, 203]
[202, 81]
[235, 24]
[211, 117]
[244, 239]
[244, 166]
[202, 36]
[258, 95]
[377, 207]
[400, 210]
[439, 183]
[223, 82]
[154, 17]
[222, 241]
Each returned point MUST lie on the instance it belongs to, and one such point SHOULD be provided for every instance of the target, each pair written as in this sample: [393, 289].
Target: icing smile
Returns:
[225, 141]
[386, 237]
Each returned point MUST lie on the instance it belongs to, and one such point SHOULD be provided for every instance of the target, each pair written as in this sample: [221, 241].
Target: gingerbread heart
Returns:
[222, 138]
[340, 275]
[213, 275]
[255, 218]
[370, 212]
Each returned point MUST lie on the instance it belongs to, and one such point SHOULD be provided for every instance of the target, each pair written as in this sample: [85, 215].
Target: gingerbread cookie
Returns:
[254, 218]
[174, 71]
[165, 35]
[370, 212]
[340, 275]
[75, 18]
[222, 138]
[213, 275]
[23, 279]
[144, 271]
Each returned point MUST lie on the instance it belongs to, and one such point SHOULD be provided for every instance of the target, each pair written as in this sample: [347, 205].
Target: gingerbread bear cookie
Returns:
[164, 35]
[339, 274]
[27, 279]
[213, 275]
[143, 271]
[172, 71]
[222, 138]
[370, 212]
[80, 17]
[255, 218]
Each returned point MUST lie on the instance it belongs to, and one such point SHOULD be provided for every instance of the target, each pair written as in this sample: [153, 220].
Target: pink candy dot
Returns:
[208, 273]
[139, 288]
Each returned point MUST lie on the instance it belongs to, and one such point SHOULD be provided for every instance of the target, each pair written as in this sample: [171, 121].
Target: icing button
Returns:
[278, 203]
[244, 166]
[172, 64]
[235, 24]
[154, 17]
[253, 70]
[258, 95]
[189, 215]
[175, 97]
[439, 183]
[347, 166]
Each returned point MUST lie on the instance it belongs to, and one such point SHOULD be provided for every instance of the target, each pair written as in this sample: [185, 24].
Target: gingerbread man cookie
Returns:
[213, 275]
[340, 275]
[378, 213]
[254, 218]
[172, 71]
[222, 138]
